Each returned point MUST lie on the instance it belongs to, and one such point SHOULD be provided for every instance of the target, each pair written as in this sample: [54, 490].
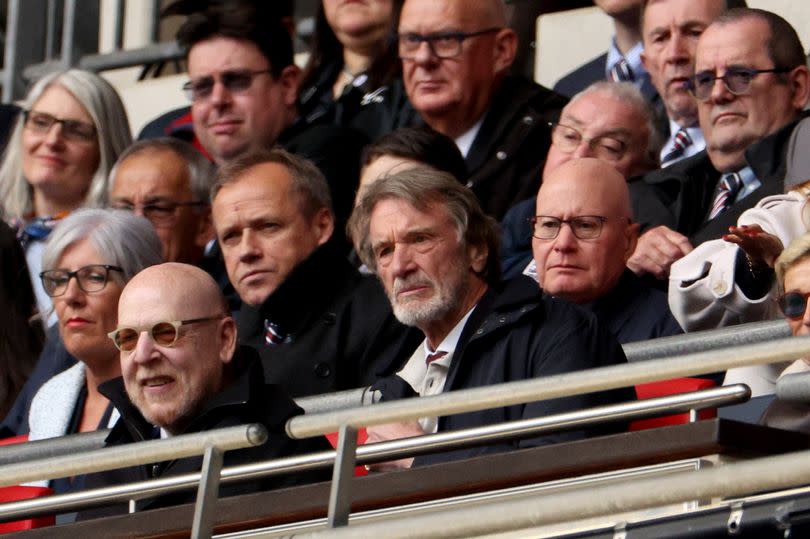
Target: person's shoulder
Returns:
[582, 77]
[682, 170]
[520, 92]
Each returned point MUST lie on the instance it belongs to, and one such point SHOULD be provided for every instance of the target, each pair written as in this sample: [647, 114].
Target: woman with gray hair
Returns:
[71, 130]
[88, 259]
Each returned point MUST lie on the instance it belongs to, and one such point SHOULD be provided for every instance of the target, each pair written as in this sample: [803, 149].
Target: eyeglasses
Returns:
[584, 227]
[737, 80]
[441, 45]
[162, 333]
[236, 81]
[793, 304]
[75, 130]
[606, 147]
[158, 213]
[92, 278]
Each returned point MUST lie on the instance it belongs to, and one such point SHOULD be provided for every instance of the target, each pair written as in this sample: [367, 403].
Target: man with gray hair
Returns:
[315, 321]
[435, 252]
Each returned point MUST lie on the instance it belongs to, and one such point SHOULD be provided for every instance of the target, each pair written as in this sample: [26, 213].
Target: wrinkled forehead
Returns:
[739, 43]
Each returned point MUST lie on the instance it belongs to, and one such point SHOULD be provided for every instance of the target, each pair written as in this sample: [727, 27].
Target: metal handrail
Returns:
[133, 454]
[52, 447]
[381, 451]
[550, 387]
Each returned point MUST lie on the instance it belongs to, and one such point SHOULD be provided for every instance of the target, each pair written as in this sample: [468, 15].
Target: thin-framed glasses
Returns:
[441, 45]
[162, 333]
[235, 81]
[92, 278]
[737, 80]
[793, 304]
[584, 227]
[158, 213]
[606, 147]
[75, 130]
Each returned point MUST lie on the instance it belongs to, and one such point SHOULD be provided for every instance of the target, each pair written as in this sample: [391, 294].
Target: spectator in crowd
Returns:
[609, 121]
[58, 156]
[88, 259]
[243, 89]
[751, 84]
[670, 31]
[585, 262]
[456, 57]
[622, 61]
[21, 337]
[352, 56]
[433, 249]
[318, 325]
[183, 372]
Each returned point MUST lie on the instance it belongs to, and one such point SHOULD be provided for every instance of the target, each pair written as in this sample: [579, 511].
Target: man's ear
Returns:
[323, 224]
[205, 228]
[227, 333]
[506, 42]
[290, 78]
[800, 80]
[478, 255]
[631, 233]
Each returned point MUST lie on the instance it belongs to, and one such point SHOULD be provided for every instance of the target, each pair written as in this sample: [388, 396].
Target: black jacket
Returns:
[247, 399]
[341, 326]
[517, 333]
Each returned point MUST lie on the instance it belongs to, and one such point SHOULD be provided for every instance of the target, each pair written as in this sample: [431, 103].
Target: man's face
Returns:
[420, 261]
[582, 270]
[170, 384]
[671, 29]
[229, 122]
[797, 279]
[263, 232]
[449, 92]
[731, 123]
[151, 184]
[596, 115]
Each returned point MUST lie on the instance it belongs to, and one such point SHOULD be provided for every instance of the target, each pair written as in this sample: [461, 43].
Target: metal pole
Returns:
[739, 479]
[52, 447]
[207, 493]
[340, 502]
[118, 10]
[551, 387]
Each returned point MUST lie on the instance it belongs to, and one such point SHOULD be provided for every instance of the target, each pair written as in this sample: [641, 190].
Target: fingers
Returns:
[657, 250]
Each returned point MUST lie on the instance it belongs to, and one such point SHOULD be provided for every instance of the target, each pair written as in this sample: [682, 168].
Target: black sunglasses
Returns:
[793, 304]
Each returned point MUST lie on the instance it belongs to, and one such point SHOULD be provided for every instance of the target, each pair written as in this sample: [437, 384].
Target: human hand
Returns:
[392, 431]
[656, 250]
[761, 248]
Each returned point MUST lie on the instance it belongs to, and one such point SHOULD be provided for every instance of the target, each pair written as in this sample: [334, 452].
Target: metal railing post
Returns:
[339, 495]
[207, 494]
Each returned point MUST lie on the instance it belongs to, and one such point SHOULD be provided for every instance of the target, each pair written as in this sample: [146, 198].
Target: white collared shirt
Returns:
[465, 141]
[633, 59]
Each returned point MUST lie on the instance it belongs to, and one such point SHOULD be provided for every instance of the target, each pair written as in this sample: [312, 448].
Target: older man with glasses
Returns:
[751, 84]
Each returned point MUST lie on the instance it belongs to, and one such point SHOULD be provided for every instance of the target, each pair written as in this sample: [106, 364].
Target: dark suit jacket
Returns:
[594, 71]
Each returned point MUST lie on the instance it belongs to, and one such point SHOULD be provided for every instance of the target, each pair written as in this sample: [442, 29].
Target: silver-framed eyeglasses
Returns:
[584, 227]
[235, 81]
[737, 80]
[606, 147]
[158, 213]
[91, 278]
[441, 44]
[163, 333]
[41, 123]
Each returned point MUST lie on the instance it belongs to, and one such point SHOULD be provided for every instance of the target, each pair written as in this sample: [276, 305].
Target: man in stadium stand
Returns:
[585, 261]
[456, 57]
[751, 84]
[318, 325]
[670, 30]
[434, 249]
[610, 121]
[183, 372]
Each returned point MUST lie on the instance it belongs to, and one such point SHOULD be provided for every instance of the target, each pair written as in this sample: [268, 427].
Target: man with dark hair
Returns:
[435, 252]
[751, 85]
[318, 325]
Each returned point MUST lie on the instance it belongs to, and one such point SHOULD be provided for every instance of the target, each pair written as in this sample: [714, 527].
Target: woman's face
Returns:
[85, 318]
[358, 19]
[58, 164]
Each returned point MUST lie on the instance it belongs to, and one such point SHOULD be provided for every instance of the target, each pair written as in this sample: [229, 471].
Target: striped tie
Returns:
[621, 72]
[273, 335]
[679, 144]
[434, 356]
[729, 187]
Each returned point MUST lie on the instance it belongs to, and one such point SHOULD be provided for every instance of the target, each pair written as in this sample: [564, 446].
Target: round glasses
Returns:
[92, 278]
[793, 304]
[584, 227]
[606, 147]
[737, 80]
[162, 333]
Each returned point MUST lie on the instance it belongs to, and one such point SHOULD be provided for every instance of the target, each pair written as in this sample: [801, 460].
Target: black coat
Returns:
[518, 333]
[246, 400]
[341, 326]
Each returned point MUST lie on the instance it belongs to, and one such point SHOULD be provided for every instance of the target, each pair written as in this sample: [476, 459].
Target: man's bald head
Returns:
[588, 202]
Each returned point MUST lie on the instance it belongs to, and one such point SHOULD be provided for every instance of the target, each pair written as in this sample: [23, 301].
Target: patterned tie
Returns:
[273, 335]
[434, 356]
[621, 72]
[679, 144]
[729, 187]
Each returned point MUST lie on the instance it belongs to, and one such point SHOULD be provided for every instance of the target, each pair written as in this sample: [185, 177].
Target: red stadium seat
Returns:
[361, 439]
[671, 387]
[14, 440]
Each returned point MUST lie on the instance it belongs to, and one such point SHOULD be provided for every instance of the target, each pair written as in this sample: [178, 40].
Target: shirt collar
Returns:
[450, 342]
[465, 141]
[633, 58]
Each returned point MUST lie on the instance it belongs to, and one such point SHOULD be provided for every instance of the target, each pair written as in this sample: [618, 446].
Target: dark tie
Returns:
[679, 144]
[273, 335]
[434, 356]
[729, 187]
[621, 72]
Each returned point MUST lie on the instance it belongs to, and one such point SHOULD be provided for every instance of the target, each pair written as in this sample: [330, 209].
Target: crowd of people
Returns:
[404, 213]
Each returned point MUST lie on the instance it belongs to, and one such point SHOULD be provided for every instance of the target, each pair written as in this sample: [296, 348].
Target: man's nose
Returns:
[565, 240]
[401, 260]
